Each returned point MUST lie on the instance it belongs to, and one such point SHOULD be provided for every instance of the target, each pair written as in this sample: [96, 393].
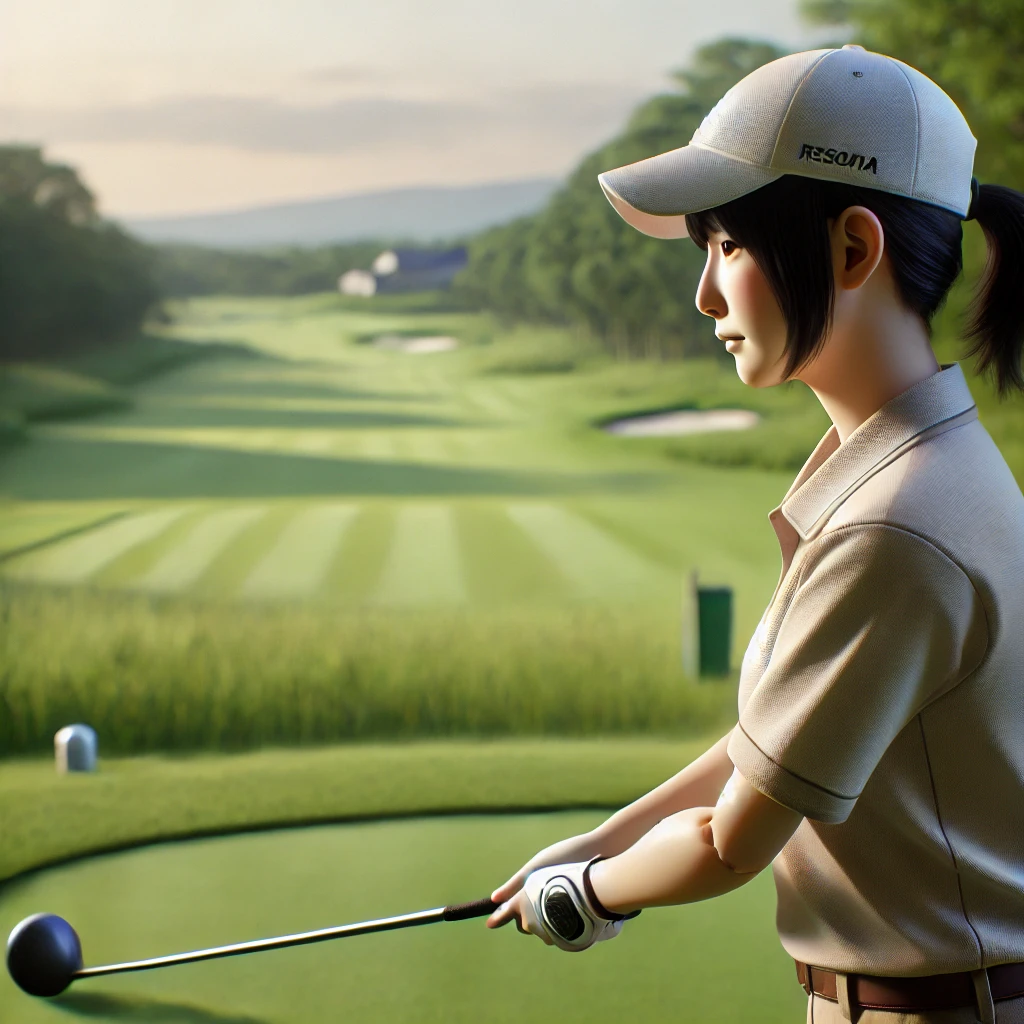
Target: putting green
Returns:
[718, 961]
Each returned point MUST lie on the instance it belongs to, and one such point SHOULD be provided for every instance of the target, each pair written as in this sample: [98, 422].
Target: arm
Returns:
[697, 853]
[697, 785]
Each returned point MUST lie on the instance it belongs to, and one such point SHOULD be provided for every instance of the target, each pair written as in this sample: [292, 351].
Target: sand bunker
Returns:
[416, 346]
[685, 421]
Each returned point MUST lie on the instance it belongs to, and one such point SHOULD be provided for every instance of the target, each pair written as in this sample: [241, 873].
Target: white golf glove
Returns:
[562, 905]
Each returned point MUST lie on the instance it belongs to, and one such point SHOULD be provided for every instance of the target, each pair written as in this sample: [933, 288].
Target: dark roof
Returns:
[419, 259]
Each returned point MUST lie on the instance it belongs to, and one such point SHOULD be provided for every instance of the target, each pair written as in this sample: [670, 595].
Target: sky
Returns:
[186, 106]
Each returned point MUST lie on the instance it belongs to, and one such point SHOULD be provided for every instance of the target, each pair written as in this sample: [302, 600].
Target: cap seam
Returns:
[917, 133]
[737, 159]
[792, 100]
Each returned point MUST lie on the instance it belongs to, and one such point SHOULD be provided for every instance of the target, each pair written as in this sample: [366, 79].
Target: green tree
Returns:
[578, 262]
[67, 278]
[25, 177]
[183, 270]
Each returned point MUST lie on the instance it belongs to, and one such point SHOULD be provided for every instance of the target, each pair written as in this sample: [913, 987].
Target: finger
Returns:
[508, 890]
[501, 916]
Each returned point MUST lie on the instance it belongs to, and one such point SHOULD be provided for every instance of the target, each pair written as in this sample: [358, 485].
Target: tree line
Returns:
[185, 270]
[68, 279]
[577, 262]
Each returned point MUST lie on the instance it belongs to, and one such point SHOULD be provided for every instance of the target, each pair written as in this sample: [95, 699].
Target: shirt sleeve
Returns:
[881, 623]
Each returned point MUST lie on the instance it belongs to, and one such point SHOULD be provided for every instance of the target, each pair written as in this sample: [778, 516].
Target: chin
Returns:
[750, 375]
[758, 375]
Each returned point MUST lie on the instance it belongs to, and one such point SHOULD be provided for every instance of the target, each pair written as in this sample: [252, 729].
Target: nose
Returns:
[709, 300]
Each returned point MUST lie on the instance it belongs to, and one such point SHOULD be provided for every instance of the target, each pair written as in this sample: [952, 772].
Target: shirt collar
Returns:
[834, 471]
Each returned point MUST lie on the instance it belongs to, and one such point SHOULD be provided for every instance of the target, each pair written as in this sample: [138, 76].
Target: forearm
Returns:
[675, 862]
[697, 785]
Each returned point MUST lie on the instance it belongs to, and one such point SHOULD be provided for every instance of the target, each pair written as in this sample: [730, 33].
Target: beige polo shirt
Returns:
[882, 694]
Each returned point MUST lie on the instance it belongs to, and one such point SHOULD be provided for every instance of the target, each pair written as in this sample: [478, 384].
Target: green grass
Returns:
[91, 382]
[50, 818]
[716, 961]
[163, 675]
[137, 359]
[37, 392]
[335, 541]
[26, 527]
[447, 823]
[530, 351]
[13, 428]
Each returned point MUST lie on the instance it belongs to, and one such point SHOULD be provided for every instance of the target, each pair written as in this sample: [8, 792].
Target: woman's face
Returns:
[747, 316]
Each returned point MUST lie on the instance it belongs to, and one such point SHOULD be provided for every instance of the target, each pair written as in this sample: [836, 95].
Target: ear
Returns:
[858, 244]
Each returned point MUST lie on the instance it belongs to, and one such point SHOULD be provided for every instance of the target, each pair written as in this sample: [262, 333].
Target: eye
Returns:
[729, 247]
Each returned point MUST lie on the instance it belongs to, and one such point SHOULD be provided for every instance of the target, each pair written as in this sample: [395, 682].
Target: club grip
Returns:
[464, 911]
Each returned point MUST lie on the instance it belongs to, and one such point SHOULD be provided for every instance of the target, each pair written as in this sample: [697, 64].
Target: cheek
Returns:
[756, 298]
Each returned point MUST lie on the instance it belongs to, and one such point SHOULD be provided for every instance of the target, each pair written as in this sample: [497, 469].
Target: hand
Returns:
[554, 905]
[520, 909]
[582, 847]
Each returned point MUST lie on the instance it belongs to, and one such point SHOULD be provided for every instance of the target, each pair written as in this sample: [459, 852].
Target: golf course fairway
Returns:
[322, 469]
[301, 536]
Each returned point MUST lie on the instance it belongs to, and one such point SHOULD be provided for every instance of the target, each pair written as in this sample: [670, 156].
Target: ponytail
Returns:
[996, 324]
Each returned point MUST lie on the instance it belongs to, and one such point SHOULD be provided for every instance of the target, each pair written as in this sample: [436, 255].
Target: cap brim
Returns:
[655, 195]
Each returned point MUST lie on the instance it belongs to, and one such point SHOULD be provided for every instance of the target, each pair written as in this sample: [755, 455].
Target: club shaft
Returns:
[259, 945]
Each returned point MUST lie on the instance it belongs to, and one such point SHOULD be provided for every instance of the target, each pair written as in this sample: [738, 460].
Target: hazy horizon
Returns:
[181, 107]
[271, 204]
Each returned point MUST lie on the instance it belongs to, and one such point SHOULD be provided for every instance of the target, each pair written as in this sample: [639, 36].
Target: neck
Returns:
[867, 361]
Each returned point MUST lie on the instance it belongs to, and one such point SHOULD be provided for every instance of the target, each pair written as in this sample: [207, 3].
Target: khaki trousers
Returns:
[824, 1011]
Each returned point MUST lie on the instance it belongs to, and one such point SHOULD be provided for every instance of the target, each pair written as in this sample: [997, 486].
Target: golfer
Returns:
[878, 759]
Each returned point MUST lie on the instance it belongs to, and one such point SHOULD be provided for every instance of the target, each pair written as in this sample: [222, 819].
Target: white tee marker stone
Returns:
[75, 749]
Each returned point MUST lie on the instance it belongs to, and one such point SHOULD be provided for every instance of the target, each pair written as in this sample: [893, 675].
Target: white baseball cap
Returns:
[846, 115]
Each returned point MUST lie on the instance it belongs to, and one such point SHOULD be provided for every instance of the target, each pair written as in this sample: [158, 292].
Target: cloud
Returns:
[576, 113]
[344, 75]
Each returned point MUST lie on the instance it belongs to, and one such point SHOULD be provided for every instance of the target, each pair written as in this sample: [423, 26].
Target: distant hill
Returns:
[410, 214]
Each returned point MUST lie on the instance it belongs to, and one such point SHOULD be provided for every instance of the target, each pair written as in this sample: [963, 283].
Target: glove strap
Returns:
[598, 906]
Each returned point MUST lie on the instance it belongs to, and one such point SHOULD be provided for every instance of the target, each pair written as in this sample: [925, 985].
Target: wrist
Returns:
[598, 905]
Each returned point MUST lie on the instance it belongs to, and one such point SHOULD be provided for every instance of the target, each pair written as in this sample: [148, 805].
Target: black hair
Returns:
[784, 227]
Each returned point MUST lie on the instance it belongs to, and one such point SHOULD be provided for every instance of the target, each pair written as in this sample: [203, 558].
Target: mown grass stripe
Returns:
[424, 566]
[376, 445]
[300, 560]
[137, 561]
[361, 557]
[28, 528]
[185, 563]
[314, 443]
[502, 564]
[428, 446]
[229, 570]
[77, 559]
[594, 563]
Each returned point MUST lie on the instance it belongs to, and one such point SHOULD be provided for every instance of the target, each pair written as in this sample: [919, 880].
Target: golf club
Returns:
[44, 954]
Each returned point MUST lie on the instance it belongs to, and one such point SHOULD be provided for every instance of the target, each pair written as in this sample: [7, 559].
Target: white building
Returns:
[405, 270]
[357, 282]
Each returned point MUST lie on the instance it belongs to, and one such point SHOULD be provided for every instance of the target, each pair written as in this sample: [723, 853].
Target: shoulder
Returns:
[953, 492]
[874, 552]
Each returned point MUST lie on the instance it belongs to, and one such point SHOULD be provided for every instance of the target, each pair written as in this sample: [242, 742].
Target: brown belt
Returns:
[934, 992]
